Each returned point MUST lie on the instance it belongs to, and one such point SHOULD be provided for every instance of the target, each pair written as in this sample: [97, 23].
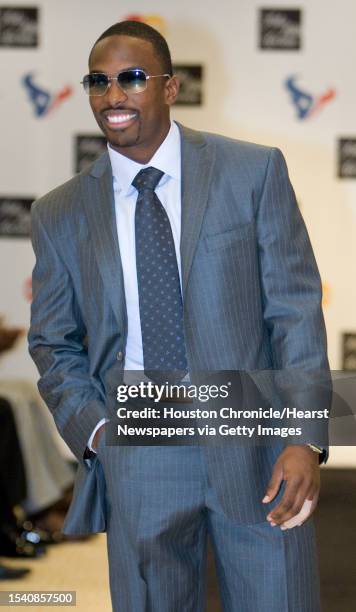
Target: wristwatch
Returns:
[317, 449]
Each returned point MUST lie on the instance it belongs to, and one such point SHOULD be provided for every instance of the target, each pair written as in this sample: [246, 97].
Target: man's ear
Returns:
[171, 90]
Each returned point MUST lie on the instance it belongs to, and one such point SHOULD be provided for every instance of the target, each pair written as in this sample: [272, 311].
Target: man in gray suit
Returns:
[175, 233]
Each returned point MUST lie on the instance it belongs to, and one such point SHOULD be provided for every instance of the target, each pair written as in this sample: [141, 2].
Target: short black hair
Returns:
[139, 29]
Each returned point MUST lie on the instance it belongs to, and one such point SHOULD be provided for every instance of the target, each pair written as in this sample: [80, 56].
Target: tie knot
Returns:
[147, 179]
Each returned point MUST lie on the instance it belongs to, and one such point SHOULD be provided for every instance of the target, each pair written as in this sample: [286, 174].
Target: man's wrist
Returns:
[98, 433]
[303, 448]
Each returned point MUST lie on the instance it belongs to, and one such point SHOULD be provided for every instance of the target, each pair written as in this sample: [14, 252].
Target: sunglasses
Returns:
[130, 81]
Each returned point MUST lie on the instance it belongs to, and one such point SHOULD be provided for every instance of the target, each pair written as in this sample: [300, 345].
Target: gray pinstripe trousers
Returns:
[161, 507]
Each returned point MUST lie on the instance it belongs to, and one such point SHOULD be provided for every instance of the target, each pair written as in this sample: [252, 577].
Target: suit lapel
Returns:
[99, 206]
[197, 164]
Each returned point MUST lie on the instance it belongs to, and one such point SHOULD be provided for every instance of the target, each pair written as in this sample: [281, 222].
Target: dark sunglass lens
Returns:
[132, 81]
[95, 84]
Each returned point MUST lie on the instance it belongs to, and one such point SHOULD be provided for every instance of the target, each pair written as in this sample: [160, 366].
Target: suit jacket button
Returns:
[120, 356]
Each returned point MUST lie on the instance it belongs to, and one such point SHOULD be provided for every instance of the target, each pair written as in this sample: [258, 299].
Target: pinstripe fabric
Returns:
[251, 294]
[262, 568]
[161, 509]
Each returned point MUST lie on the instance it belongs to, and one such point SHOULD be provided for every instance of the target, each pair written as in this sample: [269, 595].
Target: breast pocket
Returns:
[223, 240]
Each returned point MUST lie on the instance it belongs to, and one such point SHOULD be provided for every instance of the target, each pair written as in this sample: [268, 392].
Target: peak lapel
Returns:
[100, 210]
[198, 158]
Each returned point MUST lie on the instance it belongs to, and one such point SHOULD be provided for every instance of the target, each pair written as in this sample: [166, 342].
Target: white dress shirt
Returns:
[168, 159]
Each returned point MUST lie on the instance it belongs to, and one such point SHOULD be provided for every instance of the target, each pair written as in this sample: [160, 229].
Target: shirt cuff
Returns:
[90, 441]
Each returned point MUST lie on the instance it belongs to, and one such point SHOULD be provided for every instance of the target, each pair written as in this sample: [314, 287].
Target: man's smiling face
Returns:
[135, 124]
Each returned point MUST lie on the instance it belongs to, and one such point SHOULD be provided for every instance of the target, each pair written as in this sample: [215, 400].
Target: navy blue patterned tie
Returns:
[160, 298]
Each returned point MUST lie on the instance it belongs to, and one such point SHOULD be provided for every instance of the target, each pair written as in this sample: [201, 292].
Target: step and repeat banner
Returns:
[279, 74]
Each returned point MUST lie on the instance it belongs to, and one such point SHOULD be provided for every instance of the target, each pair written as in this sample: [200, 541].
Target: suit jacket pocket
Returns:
[215, 242]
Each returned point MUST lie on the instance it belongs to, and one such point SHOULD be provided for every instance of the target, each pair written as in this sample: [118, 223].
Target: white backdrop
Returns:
[244, 97]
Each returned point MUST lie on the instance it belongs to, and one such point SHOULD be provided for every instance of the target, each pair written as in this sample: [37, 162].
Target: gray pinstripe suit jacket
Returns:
[251, 294]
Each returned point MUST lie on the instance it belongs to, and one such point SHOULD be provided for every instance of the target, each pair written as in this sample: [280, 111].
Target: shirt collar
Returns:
[167, 158]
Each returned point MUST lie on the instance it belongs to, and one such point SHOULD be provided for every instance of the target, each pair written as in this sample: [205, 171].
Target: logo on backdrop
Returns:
[15, 217]
[347, 158]
[305, 102]
[155, 21]
[18, 26]
[42, 100]
[87, 148]
[191, 81]
[349, 351]
[280, 29]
